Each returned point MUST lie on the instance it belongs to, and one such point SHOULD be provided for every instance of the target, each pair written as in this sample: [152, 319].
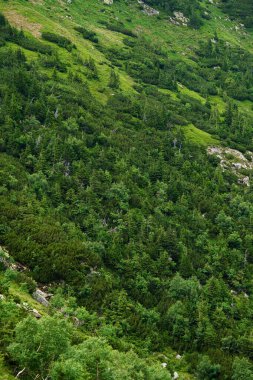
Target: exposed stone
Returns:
[179, 19]
[41, 297]
[164, 365]
[36, 314]
[178, 357]
[175, 376]
[26, 306]
[237, 165]
[18, 267]
[108, 2]
[149, 11]
[244, 181]
[234, 160]
[77, 322]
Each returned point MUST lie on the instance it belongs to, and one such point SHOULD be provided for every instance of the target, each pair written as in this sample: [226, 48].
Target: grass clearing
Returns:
[35, 16]
[198, 136]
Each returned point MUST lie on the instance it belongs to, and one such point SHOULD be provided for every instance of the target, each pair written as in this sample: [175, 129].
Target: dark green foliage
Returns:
[58, 40]
[120, 28]
[190, 8]
[52, 61]
[87, 34]
[242, 369]
[206, 370]
[114, 80]
[242, 10]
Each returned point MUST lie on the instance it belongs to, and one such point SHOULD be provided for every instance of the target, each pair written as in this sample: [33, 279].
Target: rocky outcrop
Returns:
[235, 161]
[41, 297]
[149, 11]
[36, 314]
[179, 19]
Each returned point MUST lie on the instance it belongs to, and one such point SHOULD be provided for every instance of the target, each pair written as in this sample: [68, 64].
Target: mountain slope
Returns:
[111, 192]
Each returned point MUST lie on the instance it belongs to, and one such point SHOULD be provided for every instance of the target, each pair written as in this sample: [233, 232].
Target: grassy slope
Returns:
[57, 16]
[199, 137]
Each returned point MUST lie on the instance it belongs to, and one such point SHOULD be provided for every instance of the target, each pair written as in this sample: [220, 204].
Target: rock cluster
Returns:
[179, 19]
[41, 297]
[235, 161]
[149, 11]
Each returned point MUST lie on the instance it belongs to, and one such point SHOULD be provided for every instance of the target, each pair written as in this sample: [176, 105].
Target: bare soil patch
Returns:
[21, 22]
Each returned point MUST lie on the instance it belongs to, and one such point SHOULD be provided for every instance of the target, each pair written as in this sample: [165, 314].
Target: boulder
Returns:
[149, 11]
[244, 181]
[41, 297]
[36, 314]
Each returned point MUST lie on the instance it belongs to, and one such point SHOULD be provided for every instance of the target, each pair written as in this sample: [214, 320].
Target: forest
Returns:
[142, 238]
[240, 9]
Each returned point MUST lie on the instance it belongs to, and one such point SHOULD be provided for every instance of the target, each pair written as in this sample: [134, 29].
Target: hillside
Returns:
[126, 189]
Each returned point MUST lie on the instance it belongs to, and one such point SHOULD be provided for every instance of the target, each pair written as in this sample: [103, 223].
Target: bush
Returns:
[121, 29]
[58, 40]
[22, 278]
[87, 34]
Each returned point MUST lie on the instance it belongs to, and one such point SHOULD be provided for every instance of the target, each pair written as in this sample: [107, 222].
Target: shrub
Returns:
[58, 40]
[87, 34]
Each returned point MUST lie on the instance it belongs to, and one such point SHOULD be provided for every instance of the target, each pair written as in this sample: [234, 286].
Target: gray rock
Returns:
[36, 314]
[41, 297]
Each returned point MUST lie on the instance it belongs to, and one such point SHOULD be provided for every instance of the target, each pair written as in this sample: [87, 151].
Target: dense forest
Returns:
[242, 9]
[143, 239]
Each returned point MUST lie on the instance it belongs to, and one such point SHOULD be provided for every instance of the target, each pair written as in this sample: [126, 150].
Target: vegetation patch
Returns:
[58, 40]
[87, 34]
[198, 136]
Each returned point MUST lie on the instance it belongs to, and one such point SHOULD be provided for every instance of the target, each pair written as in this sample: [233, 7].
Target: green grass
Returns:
[177, 41]
[198, 136]
[4, 373]
[192, 94]
[16, 291]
